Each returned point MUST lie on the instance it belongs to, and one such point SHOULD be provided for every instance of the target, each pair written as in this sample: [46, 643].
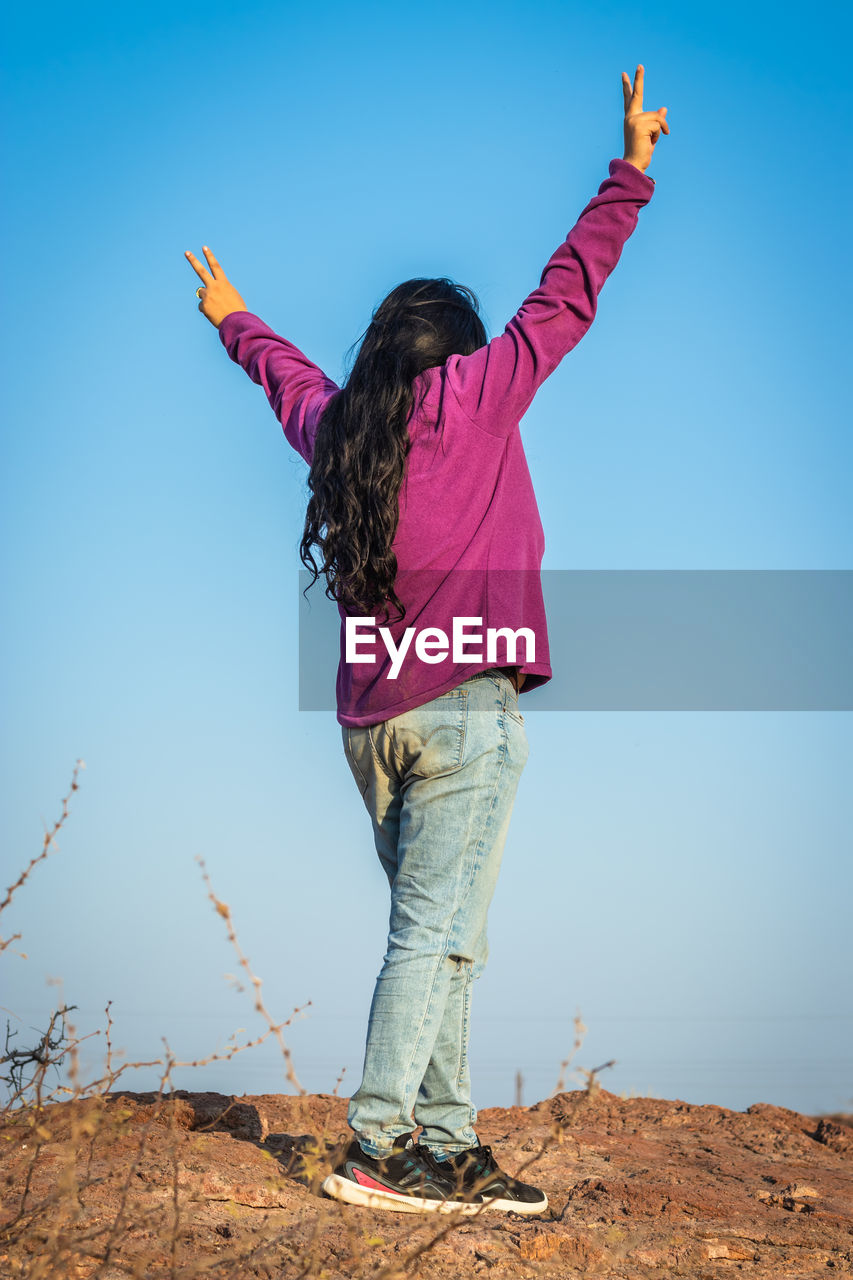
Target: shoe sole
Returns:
[518, 1206]
[371, 1198]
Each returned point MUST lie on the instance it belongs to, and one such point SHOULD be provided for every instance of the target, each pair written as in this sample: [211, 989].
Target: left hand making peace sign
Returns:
[218, 296]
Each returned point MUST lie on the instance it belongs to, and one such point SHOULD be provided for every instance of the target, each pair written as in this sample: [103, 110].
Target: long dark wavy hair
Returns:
[362, 440]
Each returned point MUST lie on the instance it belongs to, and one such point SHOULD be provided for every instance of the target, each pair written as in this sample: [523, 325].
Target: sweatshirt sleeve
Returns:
[496, 384]
[295, 387]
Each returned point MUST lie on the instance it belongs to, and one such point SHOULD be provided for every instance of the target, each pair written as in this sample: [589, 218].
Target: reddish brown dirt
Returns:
[639, 1187]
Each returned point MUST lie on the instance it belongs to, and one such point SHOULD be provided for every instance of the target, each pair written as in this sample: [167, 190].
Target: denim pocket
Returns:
[429, 741]
[512, 708]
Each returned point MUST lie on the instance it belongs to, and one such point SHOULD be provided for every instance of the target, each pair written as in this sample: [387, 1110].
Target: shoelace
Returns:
[442, 1167]
[409, 1152]
[415, 1158]
[480, 1162]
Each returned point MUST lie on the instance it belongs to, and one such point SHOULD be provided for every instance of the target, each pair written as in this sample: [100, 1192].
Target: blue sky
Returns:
[681, 879]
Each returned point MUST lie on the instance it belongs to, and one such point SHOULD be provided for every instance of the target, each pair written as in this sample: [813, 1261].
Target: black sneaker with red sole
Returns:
[476, 1175]
[407, 1180]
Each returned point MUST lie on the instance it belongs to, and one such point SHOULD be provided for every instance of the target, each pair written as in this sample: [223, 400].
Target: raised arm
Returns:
[496, 384]
[294, 385]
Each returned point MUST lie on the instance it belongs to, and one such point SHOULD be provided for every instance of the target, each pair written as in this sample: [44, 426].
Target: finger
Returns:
[626, 89]
[658, 116]
[218, 273]
[197, 267]
[637, 96]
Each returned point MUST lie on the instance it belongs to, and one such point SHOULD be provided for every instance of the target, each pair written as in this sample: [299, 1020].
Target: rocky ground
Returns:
[133, 1185]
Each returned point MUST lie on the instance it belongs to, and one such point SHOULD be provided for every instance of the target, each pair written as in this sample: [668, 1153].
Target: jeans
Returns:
[439, 783]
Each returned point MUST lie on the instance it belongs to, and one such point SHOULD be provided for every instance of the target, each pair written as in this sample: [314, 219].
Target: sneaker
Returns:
[404, 1180]
[478, 1178]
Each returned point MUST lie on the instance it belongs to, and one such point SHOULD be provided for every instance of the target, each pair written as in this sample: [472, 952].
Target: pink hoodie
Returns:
[469, 542]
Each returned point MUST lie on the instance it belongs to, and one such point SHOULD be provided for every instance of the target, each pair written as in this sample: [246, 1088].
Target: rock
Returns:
[835, 1136]
[797, 1190]
[196, 1111]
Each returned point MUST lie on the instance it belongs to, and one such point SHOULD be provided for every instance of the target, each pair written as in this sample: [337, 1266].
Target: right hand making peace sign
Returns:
[218, 297]
[642, 128]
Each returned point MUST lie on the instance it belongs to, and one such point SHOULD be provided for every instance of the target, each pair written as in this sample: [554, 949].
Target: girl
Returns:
[421, 502]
